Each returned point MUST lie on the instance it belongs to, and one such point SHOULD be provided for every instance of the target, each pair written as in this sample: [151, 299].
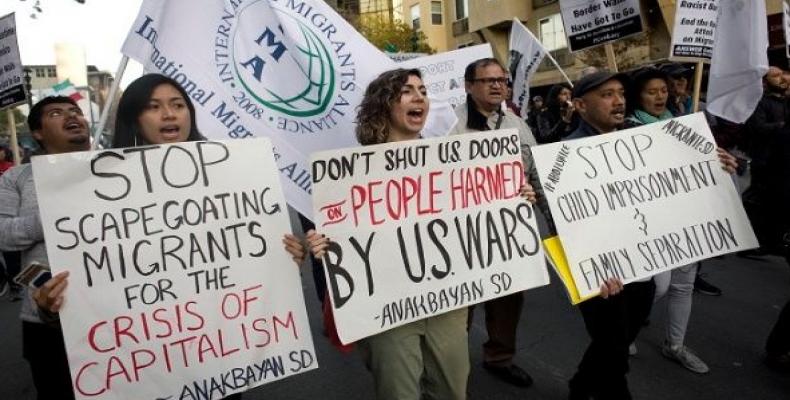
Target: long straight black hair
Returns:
[134, 101]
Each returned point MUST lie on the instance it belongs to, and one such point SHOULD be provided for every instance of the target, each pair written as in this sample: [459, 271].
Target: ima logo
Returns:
[281, 61]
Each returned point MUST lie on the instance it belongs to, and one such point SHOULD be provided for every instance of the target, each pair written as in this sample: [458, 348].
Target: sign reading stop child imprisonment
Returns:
[590, 23]
[635, 203]
[695, 30]
[423, 227]
[179, 283]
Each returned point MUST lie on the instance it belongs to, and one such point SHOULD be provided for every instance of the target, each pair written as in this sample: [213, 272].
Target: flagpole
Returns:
[697, 86]
[14, 140]
[548, 53]
[110, 99]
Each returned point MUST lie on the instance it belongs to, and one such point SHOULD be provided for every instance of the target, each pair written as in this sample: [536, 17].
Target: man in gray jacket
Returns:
[486, 88]
[58, 125]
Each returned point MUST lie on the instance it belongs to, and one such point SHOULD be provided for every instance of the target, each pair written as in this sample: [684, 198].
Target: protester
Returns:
[535, 108]
[558, 119]
[427, 358]
[485, 81]
[509, 104]
[58, 125]
[766, 129]
[6, 159]
[648, 102]
[680, 101]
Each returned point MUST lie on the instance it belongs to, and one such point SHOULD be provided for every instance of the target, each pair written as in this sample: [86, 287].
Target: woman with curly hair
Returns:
[427, 358]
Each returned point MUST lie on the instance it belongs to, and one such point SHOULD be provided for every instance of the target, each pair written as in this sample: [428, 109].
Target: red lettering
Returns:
[137, 365]
[200, 320]
[123, 331]
[205, 346]
[222, 350]
[289, 322]
[358, 199]
[92, 338]
[78, 381]
[114, 360]
[256, 326]
[237, 303]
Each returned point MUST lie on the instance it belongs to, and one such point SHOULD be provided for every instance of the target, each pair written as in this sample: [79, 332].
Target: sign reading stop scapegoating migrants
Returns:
[591, 23]
[639, 202]
[179, 285]
[423, 227]
[695, 30]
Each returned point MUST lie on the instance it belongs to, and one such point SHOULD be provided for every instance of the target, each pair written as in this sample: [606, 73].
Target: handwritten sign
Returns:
[695, 30]
[590, 23]
[639, 202]
[12, 89]
[179, 284]
[424, 227]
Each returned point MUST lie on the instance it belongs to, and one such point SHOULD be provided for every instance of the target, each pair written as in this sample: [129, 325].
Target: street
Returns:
[727, 332]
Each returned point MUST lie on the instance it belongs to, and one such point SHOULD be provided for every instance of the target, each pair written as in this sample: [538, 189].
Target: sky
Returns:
[99, 25]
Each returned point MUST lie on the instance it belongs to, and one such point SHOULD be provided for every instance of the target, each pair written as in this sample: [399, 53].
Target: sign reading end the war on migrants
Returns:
[635, 203]
[590, 23]
[179, 285]
[12, 84]
[695, 30]
[424, 227]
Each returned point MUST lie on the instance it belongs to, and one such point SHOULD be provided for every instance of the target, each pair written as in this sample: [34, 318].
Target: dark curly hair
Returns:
[373, 116]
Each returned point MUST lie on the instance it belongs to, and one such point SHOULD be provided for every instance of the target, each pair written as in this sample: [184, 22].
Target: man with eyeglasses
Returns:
[486, 90]
[57, 123]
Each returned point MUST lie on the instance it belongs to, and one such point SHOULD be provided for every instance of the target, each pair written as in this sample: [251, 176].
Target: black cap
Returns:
[592, 81]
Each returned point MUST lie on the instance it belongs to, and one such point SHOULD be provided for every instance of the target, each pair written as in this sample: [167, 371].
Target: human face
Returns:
[774, 80]
[564, 96]
[489, 87]
[653, 97]
[409, 112]
[679, 86]
[603, 107]
[63, 129]
[166, 117]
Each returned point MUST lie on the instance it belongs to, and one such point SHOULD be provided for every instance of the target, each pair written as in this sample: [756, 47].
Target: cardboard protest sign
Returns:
[590, 23]
[635, 203]
[12, 84]
[424, 227]
[179, 284]
[695, 30]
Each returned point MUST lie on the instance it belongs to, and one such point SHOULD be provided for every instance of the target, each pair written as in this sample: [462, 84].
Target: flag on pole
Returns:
[526, 54]
[740, 60]
[66, 88]
[293, 71]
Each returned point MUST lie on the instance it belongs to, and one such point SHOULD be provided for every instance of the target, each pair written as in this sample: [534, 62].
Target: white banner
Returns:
[291, 70]
[591, 23]
[179, 284]
[12, 83]
[639, 202]
[695, 30]
[526, 54]
[424, 227]
[786, 24]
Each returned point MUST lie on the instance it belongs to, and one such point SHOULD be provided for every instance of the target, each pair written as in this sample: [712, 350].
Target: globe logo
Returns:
[282, 63]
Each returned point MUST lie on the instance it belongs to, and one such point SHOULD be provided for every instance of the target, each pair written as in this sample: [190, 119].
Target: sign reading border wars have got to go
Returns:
[179, 284]
[12, 84]
[635, 203]
[695, 30]
[423, 227]
[590, 23]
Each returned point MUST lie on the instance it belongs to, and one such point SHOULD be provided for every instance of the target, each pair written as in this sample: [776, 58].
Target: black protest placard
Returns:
[590, 23]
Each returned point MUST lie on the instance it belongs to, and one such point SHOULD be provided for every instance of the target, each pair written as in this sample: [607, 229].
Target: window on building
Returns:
[40, 73]
[461, 9]
[436, 12]
[552, 33]
[415, 17]
[52, 73]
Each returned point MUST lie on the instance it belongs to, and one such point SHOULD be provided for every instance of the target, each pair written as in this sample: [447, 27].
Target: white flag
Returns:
[526, 54]
[740, 60]
[293, 71]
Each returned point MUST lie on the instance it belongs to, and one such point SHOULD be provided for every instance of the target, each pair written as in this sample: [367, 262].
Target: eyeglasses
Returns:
[491, 81]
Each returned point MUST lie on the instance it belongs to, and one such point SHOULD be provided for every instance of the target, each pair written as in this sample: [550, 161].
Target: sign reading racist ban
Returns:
[695, 30]
[590, 23]
[423, 227]
[635, 203]
[179, 284]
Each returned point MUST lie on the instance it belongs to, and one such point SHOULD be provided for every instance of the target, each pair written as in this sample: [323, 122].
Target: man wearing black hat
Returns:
[680, 101]
[614, 321]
